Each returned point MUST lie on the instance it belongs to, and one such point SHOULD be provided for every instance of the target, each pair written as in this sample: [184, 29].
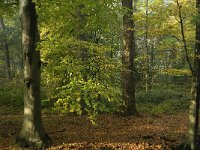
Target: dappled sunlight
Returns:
[97, 146]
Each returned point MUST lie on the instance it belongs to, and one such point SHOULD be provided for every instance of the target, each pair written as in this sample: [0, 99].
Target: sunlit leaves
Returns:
[8, 8]
[165, 44]
[67, 71]
[81, 68]
[177, 72]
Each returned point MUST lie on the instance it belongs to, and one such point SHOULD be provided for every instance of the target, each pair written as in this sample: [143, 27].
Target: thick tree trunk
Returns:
[6, 53]
[32, 133]
[193, 131]
[128, 70]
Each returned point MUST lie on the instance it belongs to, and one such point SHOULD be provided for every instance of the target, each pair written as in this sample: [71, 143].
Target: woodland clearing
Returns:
[111, 132]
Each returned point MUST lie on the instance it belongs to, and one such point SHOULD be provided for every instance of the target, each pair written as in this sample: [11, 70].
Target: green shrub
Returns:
[163, 99]
[161, 95]
[153, 96]
[168, 107]
[88, 87]
[11, 94]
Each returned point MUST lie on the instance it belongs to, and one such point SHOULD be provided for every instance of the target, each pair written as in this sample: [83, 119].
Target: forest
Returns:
[99, 74]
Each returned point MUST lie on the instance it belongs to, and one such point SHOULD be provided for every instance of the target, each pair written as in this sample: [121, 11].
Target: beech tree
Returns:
[194, 112]
[86, 78]
[128, 55]
[32, 132]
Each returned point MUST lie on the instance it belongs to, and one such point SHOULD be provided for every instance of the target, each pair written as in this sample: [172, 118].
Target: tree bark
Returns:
[194, 116]
[193, 137]
[5, 52]
[128, 70]
[32, 133]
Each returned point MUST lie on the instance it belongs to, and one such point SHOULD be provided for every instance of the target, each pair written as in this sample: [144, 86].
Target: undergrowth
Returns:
[11, 94]
[163, 99]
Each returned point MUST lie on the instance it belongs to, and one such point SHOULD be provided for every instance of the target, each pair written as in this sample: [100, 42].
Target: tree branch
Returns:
[183, 37]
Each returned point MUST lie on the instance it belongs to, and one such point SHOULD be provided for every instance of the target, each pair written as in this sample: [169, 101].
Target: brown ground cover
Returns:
[71, 132]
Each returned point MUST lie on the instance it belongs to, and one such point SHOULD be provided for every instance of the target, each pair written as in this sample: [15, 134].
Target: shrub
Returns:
[157, 96]
[11, 94]
[166, 99]
[168, 107]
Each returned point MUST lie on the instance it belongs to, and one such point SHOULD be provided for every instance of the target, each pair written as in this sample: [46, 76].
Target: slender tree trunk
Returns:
[147, 84]
[192, 141]
[32, 133]
[183, 37]
[128, 70]
[6, 53]
[83, 52]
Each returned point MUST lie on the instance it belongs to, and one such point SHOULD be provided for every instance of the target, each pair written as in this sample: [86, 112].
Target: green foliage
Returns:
[11, 94]
[166, 99]
[80, 40]
[8, 8]
[157, 96]
[167, 107]
[83, 74]
[91, 81]
[164, 38]
[12, 35]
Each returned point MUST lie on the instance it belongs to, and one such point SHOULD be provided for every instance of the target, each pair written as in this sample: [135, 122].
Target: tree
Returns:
[11, 39]
[183, 36]
[192, 139]
[32, 132]
[86, 73]
[147, 75]
[194, 115]
[128, 66]
[5, 51]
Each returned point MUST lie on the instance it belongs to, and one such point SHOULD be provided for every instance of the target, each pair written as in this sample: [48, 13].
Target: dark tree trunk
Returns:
[32, 133]
[187, 58]
[196, 84]
[82, 52]
[5, 52]
[128, 70]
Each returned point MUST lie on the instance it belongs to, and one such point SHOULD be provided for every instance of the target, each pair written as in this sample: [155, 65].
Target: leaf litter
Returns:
[112, 132]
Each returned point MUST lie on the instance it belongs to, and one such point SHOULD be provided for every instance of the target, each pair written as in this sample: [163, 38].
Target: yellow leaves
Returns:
[178, 72]
[44, 31]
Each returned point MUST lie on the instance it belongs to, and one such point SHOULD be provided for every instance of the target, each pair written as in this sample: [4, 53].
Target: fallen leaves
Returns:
[112, 132]
[106, 146]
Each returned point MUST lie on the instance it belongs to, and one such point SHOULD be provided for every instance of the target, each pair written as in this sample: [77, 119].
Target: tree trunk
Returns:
[128, 70]
[5, 52]
[32, 133]
[187, 58]
[82, 52]
[192, 139]
[147, 77]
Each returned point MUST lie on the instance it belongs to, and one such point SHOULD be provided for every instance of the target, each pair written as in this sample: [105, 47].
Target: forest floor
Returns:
[112, 132]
